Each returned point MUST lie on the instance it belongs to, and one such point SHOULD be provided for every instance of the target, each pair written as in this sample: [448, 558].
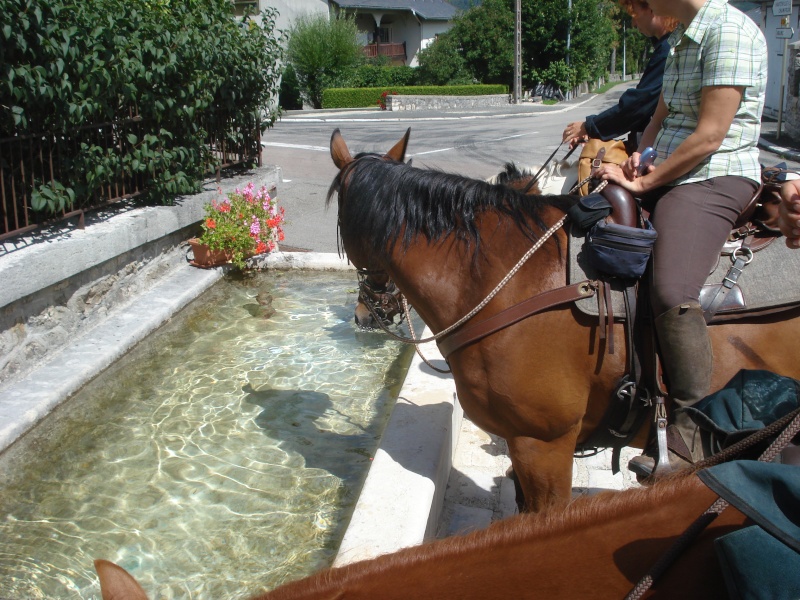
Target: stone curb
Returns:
[400, 503]
[782, 151]
[36, 264]
[26, 402]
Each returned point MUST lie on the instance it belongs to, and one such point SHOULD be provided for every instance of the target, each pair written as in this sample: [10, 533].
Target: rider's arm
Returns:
[718, 107]
[636, 105]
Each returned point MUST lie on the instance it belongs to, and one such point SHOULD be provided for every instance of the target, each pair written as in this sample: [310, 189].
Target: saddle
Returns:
[749, 281]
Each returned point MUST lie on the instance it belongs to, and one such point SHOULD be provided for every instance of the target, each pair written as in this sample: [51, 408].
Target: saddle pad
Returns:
[771, 279]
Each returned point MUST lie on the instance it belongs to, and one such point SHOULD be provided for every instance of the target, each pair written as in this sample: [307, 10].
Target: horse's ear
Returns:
[339, 152]
[116, 583]
[398, 151]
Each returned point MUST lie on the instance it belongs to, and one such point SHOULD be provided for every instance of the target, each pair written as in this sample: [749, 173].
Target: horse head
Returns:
[379, 300]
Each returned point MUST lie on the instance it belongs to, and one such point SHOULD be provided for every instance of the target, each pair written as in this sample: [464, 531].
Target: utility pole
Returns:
[569, 27]
[517, 98]
[624, 51]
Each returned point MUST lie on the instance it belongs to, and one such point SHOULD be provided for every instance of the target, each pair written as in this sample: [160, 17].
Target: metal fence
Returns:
[36, 164]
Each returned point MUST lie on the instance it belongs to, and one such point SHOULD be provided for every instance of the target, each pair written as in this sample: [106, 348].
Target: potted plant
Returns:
[382, 99]
[242, 224]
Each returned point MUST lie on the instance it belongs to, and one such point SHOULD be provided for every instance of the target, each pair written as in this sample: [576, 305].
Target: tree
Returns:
[322, 52]
[441, 63]
[546, 24]
[485, 35]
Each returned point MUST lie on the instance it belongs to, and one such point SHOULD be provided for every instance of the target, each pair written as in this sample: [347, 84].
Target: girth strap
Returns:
[541, 302]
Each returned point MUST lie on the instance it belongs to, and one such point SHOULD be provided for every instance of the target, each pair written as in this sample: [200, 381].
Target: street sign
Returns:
[784, 33]
[782, 7]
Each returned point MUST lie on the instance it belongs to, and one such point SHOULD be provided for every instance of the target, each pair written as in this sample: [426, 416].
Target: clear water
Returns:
[221, 457]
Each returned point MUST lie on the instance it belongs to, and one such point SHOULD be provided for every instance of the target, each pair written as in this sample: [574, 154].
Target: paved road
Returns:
[476, 143]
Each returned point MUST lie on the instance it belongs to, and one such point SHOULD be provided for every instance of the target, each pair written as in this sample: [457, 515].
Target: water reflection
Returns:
[222, 456]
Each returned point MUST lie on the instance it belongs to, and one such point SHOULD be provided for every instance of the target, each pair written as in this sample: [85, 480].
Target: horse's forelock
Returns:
[387, 200]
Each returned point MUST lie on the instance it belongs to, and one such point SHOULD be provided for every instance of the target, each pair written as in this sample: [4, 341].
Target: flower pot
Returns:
[205, 257]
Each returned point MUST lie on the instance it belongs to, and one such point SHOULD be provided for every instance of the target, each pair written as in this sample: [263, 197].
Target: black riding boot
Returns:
[687, 357]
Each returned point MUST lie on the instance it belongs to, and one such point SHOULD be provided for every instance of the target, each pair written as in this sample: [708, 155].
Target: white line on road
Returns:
[324, 149]
[296, 146]
[508, 137]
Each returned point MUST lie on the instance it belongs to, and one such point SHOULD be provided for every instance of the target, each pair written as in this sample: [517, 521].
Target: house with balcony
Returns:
[397, 29]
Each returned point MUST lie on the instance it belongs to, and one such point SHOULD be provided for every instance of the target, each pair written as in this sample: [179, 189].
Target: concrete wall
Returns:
[445, 102]
[59, 283]
[289, 10]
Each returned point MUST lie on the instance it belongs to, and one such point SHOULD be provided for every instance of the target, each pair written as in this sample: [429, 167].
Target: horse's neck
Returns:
[593, 549]
[443, 282]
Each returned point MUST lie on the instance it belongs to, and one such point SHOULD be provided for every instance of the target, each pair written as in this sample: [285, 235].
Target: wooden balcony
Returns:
[393, 51]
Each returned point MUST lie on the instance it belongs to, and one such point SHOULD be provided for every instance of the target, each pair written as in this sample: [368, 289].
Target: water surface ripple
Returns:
[222, 456]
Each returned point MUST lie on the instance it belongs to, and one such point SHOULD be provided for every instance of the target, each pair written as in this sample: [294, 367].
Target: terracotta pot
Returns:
[205, 257]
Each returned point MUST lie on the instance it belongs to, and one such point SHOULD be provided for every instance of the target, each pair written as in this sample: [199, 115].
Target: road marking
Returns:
[296, 146]
[500, 139]
[324, 149]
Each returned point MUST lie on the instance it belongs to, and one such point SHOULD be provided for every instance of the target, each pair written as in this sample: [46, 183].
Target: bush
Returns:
[189, 70]
[558, 74]
[363, 97]
[441, 63]
[322, 51]
[289, 97]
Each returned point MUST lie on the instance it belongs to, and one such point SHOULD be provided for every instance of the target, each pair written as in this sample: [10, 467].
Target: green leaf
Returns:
[132, 139]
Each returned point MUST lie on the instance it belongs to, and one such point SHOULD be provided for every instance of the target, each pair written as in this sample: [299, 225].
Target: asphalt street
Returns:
[474, 143]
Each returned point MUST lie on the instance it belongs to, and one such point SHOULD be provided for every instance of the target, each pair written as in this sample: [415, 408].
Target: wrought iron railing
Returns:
[37, 164]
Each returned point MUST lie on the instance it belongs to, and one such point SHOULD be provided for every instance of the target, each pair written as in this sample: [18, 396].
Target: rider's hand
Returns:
[631, 166]
[790, 212]
[575, 133]
[622, 176]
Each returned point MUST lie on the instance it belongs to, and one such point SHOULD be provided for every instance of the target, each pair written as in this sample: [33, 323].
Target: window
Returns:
[243, 7]
[385, 35]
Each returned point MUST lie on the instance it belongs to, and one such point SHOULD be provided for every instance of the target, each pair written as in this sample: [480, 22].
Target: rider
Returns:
[632, 114]
[705, 130]
[790, 212]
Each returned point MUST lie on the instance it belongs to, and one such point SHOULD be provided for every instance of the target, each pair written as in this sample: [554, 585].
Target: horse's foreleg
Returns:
[543, 469]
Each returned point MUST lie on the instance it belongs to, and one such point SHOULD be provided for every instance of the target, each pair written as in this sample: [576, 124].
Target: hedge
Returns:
[380, 76]
[362, 97]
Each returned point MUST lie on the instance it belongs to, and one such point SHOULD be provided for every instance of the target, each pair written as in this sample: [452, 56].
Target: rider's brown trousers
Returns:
[693, 222]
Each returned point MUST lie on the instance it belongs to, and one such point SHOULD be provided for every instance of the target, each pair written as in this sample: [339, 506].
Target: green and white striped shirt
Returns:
[721, 47]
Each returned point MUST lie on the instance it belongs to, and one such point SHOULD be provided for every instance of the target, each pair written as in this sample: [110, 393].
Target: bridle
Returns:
[383, 302]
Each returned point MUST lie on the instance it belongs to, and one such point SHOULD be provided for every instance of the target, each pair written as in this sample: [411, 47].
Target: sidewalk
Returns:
[785, 146]
[479, 493]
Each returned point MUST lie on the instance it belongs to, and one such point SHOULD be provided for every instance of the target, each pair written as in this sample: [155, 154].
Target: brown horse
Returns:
[544, 383]
[598, 547]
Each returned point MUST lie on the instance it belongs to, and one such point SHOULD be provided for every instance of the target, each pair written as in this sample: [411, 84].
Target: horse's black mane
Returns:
[385, 200]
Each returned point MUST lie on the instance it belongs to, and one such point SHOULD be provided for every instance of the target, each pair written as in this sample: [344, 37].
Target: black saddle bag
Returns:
[612, 249]
[619, 250]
